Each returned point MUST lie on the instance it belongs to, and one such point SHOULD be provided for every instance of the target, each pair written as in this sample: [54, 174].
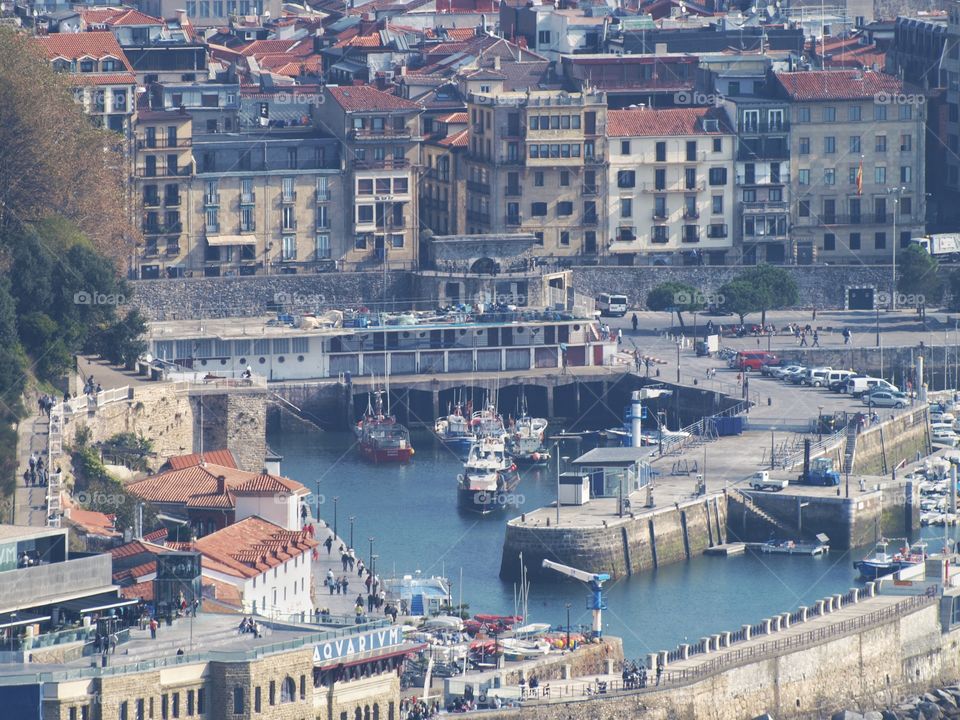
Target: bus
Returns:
[612, 305]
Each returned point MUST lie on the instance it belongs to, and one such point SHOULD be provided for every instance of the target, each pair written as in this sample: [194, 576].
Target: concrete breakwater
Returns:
[855, 653]
[619, 546]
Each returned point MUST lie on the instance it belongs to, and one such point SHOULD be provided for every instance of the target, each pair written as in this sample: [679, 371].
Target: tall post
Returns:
[335, 500]
[678, 362]
[352, 518]
[893, 278]
[558, 483]
[318, 498]
[567, 646]
[371, 550]
[953, 488]
[771, 449]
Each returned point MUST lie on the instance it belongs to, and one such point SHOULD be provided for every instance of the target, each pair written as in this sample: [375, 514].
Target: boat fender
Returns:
[513, 467]
[412, 452]
[536, 456]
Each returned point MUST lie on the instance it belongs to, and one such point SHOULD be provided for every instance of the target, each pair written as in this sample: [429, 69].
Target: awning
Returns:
[221, 240]
[371, 655]
[61, 598]
[349, 66]
[22, 619]
[96, 604]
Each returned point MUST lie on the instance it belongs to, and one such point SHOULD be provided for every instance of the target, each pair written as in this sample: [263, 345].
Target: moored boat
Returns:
[525, 441]
[881, 562]
[454, 430]
[382, 438]
[488, 478]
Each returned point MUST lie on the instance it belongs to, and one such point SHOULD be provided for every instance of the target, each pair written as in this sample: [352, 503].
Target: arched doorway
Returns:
[484, 266]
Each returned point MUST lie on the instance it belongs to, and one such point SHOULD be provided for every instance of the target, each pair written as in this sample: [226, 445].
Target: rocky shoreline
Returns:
[937, 704]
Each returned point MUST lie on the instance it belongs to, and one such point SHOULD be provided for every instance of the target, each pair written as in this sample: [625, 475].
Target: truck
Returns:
[761, 481]
[820, 472]
[944, 246]
[708, 346]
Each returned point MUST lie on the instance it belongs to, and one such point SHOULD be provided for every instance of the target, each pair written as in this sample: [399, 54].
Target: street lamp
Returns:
[336, 498]
[897, 192]
[373, 565]
[567, 646]
[819, 422]
[877, 306]
[678, 361]
[371, 539]
[352, 518]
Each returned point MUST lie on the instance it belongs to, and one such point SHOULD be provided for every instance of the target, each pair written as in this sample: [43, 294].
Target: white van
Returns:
[857, 386]
[816, 376]
[612, 305]
[837, 376]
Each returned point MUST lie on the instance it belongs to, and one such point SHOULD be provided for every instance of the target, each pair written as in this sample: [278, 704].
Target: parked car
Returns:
[815, 377]
[857, 386]
[779, 372]
[836, 377]
[768, 367]
[753, 360]
[795, 371]
[884, 399]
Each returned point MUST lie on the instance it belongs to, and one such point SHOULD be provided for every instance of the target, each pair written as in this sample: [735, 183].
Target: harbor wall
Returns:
[618, 546]
[867, 668]
[883, 447]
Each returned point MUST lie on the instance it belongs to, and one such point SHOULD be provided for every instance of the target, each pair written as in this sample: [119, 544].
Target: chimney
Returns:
[221, 485]
[496, 62]
[182, 18]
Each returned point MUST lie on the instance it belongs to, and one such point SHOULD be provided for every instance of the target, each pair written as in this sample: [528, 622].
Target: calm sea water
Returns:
[411, 513]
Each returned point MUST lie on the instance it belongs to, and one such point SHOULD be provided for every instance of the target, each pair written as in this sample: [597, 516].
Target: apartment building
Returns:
[762, 180]
[535, 163]
[442, 194]
[671, 185]
[856, 157]
[218, 204]
[380, 135]
[102, 75]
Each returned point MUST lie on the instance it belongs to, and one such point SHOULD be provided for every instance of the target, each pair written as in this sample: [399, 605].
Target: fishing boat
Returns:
[488, 423]
[488, 478]
[454, 430]
[525, 441]
[381, 438]
[881, 562]
[515, 648]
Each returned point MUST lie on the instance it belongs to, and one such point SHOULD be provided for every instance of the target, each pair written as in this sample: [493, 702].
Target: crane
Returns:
[594, 581]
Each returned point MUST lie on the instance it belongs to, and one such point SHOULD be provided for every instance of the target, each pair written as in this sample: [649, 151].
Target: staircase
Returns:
[851, 449]
[787, 530]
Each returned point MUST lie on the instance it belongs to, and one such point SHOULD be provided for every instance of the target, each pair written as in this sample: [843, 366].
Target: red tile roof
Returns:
[251, 547]
[371, 41]
[362, 98]
[454, 118]
[73, 46]
[669, 121]
[103, 79]
[224, 458]
[94, 523]
[459, 139]
[838, 84]
[132, 17]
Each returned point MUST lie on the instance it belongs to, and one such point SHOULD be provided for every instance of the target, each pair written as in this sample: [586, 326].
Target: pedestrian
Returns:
[303, 513]
[803, 339]
[634, 321]
[739, 378]
[370, 602]
[153, 628]
[846, 336]
[359, 568]
[345, 583]
[328, 544]
[179, 651]
[816, 338]
[863, 485]
[659, 672]
[814, 313]
[329, 580]
[620, 336]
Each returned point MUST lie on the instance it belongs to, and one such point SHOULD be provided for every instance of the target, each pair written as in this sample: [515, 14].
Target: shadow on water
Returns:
[411, 513]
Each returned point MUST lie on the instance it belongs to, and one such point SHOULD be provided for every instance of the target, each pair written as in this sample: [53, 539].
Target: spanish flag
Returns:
[860, 178]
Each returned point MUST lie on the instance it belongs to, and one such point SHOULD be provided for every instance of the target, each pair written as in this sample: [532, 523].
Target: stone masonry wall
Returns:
[864, 669]
[236, 421]
[248, 296]
[882, 447]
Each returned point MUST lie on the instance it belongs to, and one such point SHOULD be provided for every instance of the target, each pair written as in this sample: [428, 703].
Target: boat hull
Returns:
[386, 455]
[482, 502]
[459, 444]
[873, 570]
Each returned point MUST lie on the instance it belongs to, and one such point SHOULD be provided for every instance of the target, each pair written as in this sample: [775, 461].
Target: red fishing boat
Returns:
[382, 438]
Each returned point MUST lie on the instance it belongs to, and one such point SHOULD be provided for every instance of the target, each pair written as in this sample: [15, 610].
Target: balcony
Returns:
[173, 249]
[248, 227]
[592, 159]
[661, 214]
[590, 190]
[477, 216]
[690, 234]
[691, 214]
[478, 187]
[861, 219]
[323, 195]
[512, 191]
[162, 172]
[151, 250]
[163, 143]
[157, 229]
[211, 200]
[291, 226]
[698, 186]
[249, 198]
[390, 164]
[288, 198]
[212, 228]
[762, 128]
[715, 232]
[783, 179]
[151, 201]
[372, 135]
[172, 200]
[659, 235]
[759, 207]
[514, 220]
[505, 159]
[589, 218]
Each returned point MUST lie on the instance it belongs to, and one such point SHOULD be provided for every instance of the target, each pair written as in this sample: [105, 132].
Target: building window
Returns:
[880, 240]
[323, 216]
[855, 143]
[257, 699]
[322, 246]
[364, 214]
[852, 173]
[829, 145]
[543, 37]
[624, 147]
[626, 179]
[289, 218]
[803, 115]
[717, 145]
[854, 241]
[905, 174]
[829, 176]
[906, 143]
[881, 143]
[538, 179]
[829, 242]
[564, 178]
[717, 205]
[879, 112]
[396, 240]
[661, 152]
[564, 208]
[880, 175]
[803, 176]
[775, 195]
[718, 176]
[660, 179]
[829, 114]
[564, 238]
[538, 209]
[803, 208]
[853, 113]
[804, 146]
[750, 195]
[289, 247]
[237, 700]
[906, 207]
[691, 151]
[906, 112]
[626, 207]
[288, 690]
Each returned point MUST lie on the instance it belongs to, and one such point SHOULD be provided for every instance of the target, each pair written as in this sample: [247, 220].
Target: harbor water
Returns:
[411, 512]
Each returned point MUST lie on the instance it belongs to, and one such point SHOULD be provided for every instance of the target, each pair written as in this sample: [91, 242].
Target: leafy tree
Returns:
[120, 342]
[742, 298]
[776, 288]
[917, 276]
[101, 492]
[674, 297]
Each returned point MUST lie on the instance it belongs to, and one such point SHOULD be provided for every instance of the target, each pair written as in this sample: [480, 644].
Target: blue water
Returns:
[411, 513]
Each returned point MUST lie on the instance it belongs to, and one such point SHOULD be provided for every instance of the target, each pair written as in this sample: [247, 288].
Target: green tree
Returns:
[776, 288]
[674, 297]
[742, 298]
[121, 341]
[917, 277]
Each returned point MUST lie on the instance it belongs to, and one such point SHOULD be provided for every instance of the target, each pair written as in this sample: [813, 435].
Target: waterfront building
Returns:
[650, 80]
[380, 136]
[443, 191]
[671, 185]
[857, 144]
[535, 163]
[508, 340]
[208, 497]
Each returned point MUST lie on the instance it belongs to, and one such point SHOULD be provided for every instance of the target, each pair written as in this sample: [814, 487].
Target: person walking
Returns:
[816, 338]
[153, 628]
[634, 321]
[803, 339]
[328, 544]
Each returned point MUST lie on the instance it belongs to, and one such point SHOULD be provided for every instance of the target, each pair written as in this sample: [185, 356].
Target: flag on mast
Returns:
[860, 178]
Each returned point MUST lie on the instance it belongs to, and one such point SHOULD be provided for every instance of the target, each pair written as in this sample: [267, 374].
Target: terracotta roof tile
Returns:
[223, 458]
[838, 84]
[362, 98]
[73, 46]
[454, 118]
[459, 139]
[252, 546]
[371, 41]
[103, 79]
[133, 17]
[196, 486]
[665, 122]
[94, 523]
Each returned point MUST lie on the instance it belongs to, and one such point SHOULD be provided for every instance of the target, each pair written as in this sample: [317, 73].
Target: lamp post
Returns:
[565, 459]
[336, 499]
[318, 498]
[371, 539]
[819, 423]
[678, 361]
[352, 518]
[567, 646]
[373, 565]
[897, 192]
[877, 306]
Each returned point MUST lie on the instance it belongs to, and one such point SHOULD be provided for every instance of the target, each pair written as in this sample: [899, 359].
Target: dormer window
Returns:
[109, 65]
[87, 66]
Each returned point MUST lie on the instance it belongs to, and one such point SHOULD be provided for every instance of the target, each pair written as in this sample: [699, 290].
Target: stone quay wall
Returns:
[236, 421]
[866, 667]
[622, 546]
[883, 447]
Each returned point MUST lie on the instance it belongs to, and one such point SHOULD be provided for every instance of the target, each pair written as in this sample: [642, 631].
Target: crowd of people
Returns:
[415, 709]
[37, 472]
